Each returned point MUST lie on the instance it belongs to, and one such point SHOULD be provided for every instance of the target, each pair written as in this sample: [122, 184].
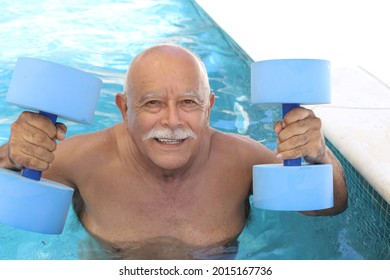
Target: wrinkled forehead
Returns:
[167, 66]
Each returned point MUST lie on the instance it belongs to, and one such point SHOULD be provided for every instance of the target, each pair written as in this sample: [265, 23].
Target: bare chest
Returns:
[131, 208]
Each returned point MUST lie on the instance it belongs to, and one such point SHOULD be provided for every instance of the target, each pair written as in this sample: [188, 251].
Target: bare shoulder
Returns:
[79, 153]
[242, 147]
[80, 145]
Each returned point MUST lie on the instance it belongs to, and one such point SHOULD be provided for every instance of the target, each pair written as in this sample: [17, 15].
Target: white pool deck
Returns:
[357, 122]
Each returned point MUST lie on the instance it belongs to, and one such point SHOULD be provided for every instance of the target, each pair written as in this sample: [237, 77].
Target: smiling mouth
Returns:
[169, 141]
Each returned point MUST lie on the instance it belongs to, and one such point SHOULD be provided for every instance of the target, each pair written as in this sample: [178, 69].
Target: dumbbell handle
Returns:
[286, 108]
[31, 173]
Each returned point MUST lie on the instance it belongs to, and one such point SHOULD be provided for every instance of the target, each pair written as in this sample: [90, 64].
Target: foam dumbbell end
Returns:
[53, 88]
[27, 201]
[291, 186]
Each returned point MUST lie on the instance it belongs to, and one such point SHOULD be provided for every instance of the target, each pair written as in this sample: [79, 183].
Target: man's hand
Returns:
[33, 141]
[300, 135]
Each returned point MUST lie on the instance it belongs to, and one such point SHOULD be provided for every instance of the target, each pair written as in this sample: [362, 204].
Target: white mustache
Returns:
[166, 133]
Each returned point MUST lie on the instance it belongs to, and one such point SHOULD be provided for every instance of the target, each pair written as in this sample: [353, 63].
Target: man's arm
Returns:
[340, 193]
[300, 135]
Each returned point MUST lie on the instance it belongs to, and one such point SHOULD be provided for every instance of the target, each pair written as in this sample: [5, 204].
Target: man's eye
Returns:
[189, 102]
[152, 102]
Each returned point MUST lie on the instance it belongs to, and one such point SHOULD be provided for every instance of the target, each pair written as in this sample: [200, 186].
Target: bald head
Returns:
[168, 58]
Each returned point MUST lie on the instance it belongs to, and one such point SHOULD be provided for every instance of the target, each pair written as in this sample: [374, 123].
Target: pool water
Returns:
[102, 37]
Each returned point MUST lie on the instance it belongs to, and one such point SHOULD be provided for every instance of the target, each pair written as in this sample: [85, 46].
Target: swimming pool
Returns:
[102, 37]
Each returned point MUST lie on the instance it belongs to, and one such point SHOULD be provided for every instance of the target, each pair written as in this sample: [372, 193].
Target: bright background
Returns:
[352, 32]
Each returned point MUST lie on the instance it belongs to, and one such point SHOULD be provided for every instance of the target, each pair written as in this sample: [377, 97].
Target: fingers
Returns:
[30, 156]
[37, 121]
[35, 129]
[308, 144]
[33, 141]
[299, 135]
[291, 117]
[299, 128]
[279, 126]
[61, 131]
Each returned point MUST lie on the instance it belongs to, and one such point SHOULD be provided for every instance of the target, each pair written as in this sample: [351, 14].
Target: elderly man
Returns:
[163, 177]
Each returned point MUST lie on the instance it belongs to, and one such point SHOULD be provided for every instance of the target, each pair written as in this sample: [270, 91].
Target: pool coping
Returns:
[356, 122]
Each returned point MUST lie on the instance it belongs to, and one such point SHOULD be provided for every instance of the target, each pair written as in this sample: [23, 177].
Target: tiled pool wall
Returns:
[364, 201]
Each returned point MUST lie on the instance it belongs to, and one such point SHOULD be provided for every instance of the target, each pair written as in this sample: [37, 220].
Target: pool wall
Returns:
[364, 196]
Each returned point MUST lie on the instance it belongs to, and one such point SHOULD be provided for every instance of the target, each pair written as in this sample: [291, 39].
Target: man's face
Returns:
[168, 110]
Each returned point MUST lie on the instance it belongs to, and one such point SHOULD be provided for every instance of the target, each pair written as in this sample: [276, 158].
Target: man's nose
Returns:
[171, 117]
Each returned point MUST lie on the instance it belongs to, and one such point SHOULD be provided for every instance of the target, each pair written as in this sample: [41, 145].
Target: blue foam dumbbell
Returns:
[27, 201]
[292, 186]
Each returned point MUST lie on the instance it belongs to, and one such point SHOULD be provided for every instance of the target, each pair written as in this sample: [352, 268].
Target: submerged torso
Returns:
[131, 214]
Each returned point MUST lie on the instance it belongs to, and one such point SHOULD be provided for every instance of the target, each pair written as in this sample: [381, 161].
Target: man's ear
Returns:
[211, 100]
[211, 103]
[121, 103]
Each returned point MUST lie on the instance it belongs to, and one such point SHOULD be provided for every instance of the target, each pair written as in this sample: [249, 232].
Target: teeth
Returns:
[169, 141]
